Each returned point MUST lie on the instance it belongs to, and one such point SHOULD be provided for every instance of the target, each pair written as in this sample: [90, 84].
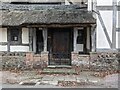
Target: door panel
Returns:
[60, 47]
[61, 42]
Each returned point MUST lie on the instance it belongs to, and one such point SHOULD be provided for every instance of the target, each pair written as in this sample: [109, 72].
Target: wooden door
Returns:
[60, 42]
[60, 52]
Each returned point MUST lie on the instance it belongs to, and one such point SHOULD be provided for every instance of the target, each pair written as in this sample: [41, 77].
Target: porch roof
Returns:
[14, 15]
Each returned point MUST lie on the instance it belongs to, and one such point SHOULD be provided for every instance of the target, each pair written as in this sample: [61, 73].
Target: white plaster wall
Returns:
[118, 2]
[19, 48]
[3, 47]
[66, 2]
[101, 38]
[3, 34]
[118, 40]
[118, 19]
[89, 5]
[104, 2]
[118, 33]
[25, 35]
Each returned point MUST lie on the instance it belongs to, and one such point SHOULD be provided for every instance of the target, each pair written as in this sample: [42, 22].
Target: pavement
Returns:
[30, 79]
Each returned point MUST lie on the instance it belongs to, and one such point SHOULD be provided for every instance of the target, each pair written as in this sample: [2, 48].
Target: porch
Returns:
[60, 45]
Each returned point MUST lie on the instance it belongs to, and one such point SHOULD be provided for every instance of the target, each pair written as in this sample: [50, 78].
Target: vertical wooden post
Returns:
[45, 39]
[93, 38]
[114, 24]
[30, 39]
[88, 39]
[75, 38]
[34, 40]
[8, 38]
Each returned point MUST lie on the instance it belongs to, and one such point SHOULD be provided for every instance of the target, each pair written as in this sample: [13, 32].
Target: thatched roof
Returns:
[35, 14]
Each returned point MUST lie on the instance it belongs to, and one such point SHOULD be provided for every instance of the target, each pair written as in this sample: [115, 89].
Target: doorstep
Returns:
[59, 66]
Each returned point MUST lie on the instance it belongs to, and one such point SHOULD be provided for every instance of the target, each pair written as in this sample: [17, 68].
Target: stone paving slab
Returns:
[44, 82]
[59, 78]
[70, 78]
[81, 77]
[29, 82]
[48, 78]
[53, 82]
[81, 80]
[94, 79]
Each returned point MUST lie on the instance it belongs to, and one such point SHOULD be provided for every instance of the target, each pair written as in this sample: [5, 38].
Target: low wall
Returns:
[21, 60]
[81, 61]
[105, 61]
[97, 61]
[94, 61]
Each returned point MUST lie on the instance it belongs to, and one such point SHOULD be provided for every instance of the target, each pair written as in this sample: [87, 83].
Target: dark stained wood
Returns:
[59, 25]
[61, 41]
[59, 46]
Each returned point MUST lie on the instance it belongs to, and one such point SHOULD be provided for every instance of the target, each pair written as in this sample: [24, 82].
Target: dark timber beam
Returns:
[114, 24]
[70, 1]
[8, 38]
[62, 25]
[118, 8]
[118, 29]
[104, 8]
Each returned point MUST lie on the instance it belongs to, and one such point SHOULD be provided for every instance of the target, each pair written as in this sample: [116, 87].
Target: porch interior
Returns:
[61, 42]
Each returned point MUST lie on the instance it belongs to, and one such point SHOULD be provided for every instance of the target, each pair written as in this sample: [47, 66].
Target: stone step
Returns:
[59, 66]
[59, 71]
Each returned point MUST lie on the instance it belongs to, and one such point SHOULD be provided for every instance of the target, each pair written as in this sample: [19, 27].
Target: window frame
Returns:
[80, 38]
[19, 42]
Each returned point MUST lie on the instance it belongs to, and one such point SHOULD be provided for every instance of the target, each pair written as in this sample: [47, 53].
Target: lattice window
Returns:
[80, 37]
[14, 35]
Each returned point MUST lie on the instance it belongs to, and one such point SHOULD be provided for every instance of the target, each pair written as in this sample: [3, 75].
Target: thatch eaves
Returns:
[13, 15]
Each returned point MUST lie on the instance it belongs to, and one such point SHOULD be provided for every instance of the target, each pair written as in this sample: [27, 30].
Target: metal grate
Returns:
[60, 59]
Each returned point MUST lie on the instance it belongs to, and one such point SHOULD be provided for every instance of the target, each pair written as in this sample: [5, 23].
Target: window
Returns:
[14, 35]
[80, 37]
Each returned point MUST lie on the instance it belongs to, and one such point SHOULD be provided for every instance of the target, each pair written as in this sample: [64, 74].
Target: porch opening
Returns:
[81, 41]
[39, 41]
[60, 46]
